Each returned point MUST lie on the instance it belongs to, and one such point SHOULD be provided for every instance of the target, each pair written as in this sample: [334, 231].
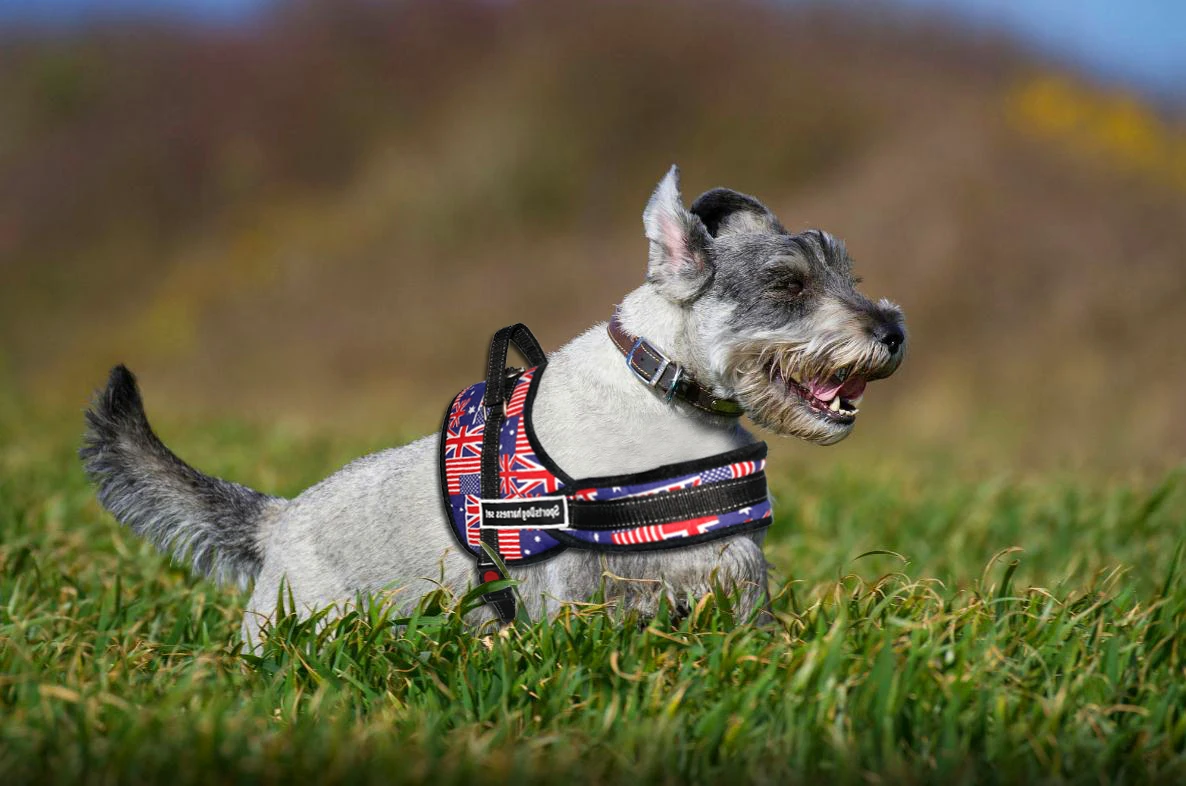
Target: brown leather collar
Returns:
[666, 376]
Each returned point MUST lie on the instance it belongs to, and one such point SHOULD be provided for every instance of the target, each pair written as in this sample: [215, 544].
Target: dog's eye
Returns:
[785, 287]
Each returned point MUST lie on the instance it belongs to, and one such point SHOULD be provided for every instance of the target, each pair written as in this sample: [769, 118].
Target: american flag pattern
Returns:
[522, 473]
[657, 533]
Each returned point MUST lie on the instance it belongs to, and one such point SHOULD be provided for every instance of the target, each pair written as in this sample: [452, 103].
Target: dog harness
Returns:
[506, 498]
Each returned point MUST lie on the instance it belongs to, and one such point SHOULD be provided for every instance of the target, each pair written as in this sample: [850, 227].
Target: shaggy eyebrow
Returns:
[807, 250]
[787, 262]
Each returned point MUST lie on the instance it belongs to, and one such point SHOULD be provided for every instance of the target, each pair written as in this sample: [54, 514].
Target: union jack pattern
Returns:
[473, 519]
[522, 473]
[463, 439]
[460, 409]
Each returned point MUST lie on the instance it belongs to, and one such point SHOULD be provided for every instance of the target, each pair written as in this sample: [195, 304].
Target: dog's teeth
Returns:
[835, 405]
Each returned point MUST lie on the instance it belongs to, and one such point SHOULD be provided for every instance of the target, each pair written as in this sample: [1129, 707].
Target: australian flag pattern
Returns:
[523, 474]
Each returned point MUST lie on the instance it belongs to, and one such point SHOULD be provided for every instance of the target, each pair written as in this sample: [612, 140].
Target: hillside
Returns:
[261, 221]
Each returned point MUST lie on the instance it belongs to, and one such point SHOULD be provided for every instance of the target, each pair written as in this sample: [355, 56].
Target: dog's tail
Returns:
[217, 524]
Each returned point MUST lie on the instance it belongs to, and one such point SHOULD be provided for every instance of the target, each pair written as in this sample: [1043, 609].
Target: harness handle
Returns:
[524, 340]
[503, 601]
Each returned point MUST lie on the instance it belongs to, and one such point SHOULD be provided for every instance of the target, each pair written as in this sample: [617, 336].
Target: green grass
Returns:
[963, 662]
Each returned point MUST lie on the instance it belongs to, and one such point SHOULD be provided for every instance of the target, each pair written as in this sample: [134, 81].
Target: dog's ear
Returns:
[725, 211]
[680, 258]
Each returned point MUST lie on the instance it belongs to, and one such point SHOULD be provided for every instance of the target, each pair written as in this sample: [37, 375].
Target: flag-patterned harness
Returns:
[501, 488]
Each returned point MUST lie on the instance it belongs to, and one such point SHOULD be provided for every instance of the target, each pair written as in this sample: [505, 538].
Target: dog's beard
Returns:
[807, 389]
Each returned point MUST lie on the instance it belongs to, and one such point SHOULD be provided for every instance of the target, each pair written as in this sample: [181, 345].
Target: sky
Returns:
[1136, 43]
[1141, 43]
[70, 12]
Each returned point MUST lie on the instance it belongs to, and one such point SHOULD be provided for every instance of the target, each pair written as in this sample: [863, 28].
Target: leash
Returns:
[508, 503]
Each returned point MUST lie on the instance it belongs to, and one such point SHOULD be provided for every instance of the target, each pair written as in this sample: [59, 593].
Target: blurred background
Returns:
[312, 215]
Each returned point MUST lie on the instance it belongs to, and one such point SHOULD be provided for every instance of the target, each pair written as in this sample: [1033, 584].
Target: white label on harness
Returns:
[525, 513]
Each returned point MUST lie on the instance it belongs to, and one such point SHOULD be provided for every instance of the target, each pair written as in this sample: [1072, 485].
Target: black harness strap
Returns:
[502, 600]
[690, 503]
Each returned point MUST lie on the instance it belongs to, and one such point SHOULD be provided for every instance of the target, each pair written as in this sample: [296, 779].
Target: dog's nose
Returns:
[891, 336]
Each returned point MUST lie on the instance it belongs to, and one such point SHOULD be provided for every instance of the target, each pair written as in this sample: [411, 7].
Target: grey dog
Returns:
[757, 314]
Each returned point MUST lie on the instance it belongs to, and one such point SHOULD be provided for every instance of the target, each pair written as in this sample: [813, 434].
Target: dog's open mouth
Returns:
[834, 398]
[811, 395]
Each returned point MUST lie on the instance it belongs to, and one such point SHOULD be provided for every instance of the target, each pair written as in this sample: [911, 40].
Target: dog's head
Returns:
[772, 318]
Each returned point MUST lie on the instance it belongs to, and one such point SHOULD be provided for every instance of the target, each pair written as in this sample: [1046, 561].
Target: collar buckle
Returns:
[656, 376]
[650, 365]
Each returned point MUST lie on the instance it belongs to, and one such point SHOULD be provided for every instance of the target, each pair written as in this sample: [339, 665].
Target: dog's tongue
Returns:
[828, 389]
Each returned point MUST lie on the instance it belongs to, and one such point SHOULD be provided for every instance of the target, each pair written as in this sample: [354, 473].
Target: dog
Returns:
[756, 314]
